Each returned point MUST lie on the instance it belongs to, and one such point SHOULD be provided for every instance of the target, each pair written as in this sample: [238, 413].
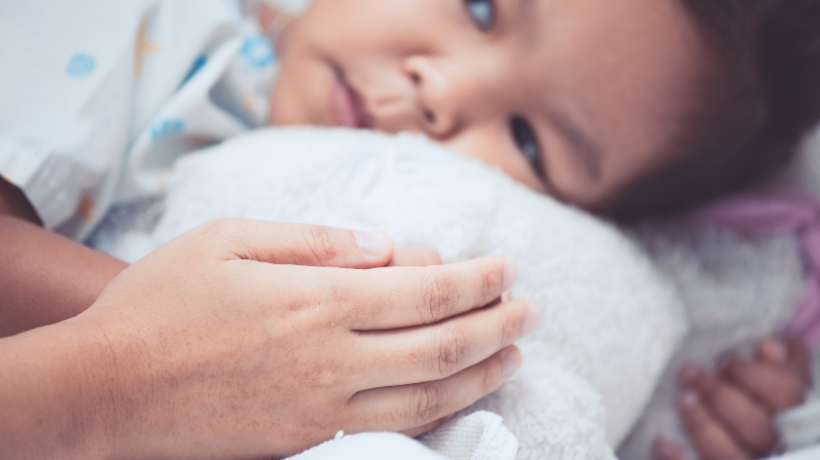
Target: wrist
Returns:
[118, 401]
[64, 396]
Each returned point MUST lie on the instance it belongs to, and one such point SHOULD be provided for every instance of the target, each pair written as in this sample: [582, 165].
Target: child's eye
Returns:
[527, 143]
[482, 12]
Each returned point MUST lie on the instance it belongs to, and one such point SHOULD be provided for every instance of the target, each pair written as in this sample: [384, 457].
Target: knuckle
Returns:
[452, 353]
[709, 386]
[699, 424]
[320, 242]
[337, 300]
[324, 377]
[428, 402]
[225, 230]
[438, 296]
[736, 370]
[760, 436]
[220, 227]
[788, 394]
[755, 419]
[491, 282]
[510, 329]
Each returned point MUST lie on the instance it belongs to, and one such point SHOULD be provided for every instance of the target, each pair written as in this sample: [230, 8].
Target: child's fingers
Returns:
[773, 352]
[778, 388]
[667, 450]
[799, 359]
[748, 422]
[786, 353]
[711, 440]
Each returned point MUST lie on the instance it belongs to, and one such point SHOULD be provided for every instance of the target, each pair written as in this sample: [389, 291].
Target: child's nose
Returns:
[439, 96]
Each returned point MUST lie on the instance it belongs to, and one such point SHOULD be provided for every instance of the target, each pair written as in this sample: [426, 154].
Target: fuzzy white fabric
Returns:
[478, 436]
[371, 446]
[610, 321]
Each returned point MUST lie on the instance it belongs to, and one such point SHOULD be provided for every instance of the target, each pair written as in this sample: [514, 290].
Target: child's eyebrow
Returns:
[589, 153]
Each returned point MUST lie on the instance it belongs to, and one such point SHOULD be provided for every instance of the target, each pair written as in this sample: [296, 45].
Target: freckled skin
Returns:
[621, 70]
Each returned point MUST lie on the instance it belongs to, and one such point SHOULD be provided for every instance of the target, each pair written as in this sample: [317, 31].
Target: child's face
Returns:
[575, 98]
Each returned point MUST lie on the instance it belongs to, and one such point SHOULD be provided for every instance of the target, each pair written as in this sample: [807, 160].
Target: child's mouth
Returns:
[347, 106]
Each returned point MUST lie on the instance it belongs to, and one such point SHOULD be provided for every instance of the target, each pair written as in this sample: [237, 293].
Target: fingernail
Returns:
[776, 350]
[512, 362]
[532, 318]
[510, 274]
[506, 296]
[689, 399]
[690, 372]
[373, 243]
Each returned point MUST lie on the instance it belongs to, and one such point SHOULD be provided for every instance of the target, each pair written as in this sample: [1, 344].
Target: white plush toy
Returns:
[610, 320]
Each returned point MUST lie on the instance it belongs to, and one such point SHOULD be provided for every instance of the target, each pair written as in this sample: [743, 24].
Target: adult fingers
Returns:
[293, 244]
[436, 352]
[742, 416]
[775, 386]
[409, 406]
[416, 432]
[399, 297]
[710, 439]
[417, 256]
[664, 449]
[411, 256]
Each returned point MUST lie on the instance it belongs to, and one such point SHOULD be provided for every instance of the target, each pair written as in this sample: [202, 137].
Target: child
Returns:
[543, 89]
[629, 108]
[393, 76]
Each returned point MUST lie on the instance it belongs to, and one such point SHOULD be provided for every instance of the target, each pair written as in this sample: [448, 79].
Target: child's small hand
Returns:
[729, 414]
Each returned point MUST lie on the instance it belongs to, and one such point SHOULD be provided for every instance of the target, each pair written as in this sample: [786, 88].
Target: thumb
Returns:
[296, 244]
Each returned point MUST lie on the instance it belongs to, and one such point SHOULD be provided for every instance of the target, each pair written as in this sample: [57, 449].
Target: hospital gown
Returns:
[99, 98]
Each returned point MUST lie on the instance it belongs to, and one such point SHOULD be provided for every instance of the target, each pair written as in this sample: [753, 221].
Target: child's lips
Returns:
[347, 107]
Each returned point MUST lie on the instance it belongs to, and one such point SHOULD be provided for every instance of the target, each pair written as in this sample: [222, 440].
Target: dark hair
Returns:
[757, 98]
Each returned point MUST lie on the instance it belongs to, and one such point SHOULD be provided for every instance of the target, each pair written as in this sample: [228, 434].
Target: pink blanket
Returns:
[780, 211]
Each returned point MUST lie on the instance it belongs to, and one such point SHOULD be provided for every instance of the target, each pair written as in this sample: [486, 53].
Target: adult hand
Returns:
[224, 344]
[414, 256]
